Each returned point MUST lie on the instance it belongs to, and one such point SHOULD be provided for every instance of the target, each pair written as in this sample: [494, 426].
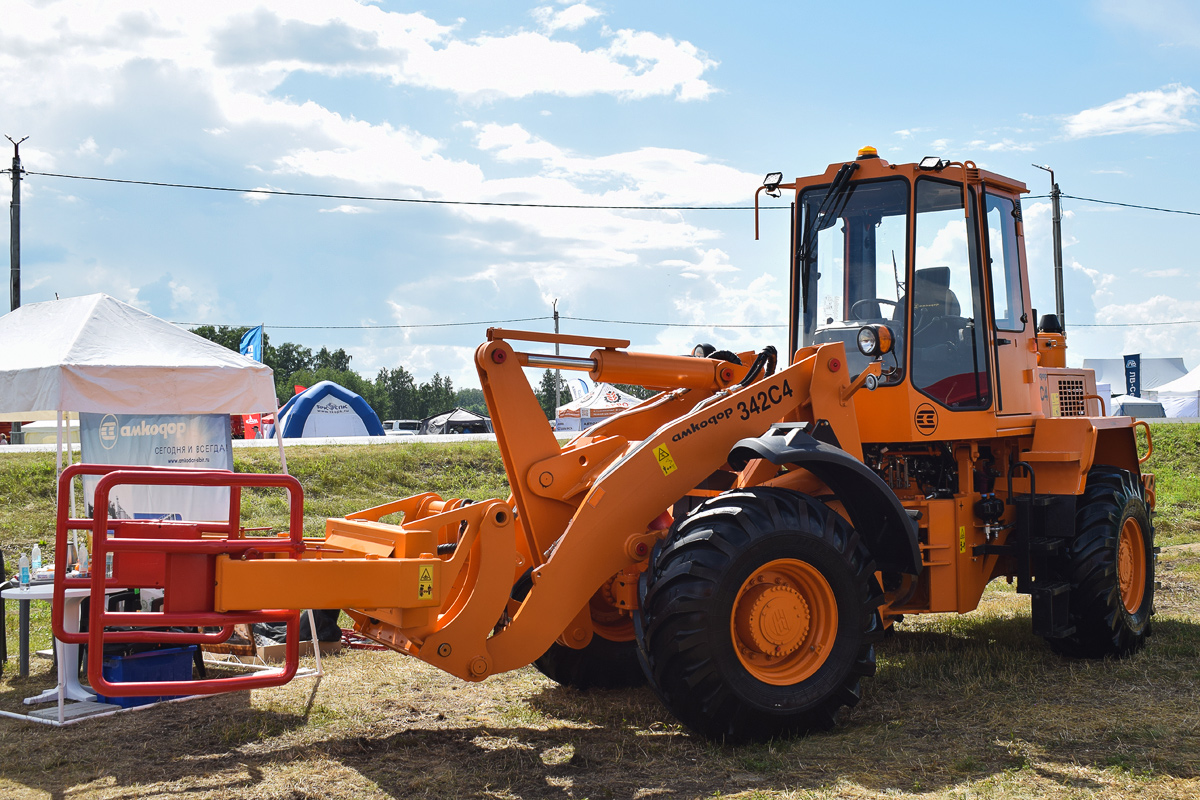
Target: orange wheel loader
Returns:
[743, 538]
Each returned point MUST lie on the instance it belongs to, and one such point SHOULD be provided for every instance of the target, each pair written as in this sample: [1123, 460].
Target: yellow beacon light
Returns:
[868, 152]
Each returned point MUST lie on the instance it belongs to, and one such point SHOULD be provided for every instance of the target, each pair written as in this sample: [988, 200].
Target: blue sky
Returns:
[661, 103]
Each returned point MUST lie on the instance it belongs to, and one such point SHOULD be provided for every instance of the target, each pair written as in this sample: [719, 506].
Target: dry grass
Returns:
[972, 706]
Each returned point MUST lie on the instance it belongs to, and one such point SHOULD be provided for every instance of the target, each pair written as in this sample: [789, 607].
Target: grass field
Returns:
[962, 707]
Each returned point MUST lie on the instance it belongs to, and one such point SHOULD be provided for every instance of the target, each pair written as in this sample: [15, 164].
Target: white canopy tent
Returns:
[1154, 371]
[603, 401]
[97, 354]
[1180, 397]
[1125, 405]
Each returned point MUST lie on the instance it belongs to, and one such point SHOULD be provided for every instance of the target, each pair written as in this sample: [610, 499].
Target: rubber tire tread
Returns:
[601, 664]
[1103, 626]
[686, 601]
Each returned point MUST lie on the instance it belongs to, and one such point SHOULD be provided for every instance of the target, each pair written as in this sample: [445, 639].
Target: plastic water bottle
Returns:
[83, 558]
[24, 569]
[36, 557]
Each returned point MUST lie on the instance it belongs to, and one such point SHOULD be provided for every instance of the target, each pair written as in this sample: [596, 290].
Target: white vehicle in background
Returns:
[402, 427]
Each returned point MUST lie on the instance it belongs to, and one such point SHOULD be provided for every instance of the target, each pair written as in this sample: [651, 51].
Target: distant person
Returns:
[3, 438]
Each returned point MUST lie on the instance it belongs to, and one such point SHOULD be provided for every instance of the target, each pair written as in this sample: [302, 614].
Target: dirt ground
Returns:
[971, 706]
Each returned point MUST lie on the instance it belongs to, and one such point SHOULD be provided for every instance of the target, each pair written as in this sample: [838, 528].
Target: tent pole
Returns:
[58, 467]
[279, 440]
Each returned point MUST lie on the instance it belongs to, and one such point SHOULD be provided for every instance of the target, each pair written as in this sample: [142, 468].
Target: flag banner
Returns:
[190, 441]
[252, 424]
[252, 343]
[1133, 375]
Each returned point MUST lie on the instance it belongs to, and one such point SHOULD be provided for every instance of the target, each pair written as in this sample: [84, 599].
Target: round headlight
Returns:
[875, 340]
[868, 340]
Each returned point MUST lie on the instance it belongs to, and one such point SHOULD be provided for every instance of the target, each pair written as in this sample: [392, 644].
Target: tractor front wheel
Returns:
[758, 616]
[1110, 567]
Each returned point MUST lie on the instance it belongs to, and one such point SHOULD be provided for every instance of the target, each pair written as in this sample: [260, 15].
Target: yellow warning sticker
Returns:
[425, 583]
[962, 539]
[1055, 408]
[665, 462]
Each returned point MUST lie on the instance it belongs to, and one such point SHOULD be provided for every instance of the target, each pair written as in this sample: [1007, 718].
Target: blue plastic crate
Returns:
[174, 664]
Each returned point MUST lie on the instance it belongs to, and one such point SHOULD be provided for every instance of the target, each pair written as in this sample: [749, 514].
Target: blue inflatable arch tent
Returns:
[327, 409]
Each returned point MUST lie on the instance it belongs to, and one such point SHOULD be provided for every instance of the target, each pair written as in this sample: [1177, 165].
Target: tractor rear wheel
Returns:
[608, 661]
[758, 616]
[1110, 567]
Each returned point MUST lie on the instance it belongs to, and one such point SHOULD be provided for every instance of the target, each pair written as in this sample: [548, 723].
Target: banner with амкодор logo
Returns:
[189, 441]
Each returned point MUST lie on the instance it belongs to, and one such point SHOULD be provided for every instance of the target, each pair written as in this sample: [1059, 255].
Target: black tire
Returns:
[602, 664]
[1104, 626]
[685, 628]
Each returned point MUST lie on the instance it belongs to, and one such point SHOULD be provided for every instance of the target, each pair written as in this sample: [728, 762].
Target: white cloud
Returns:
[571, 18]
[347, 209]
[1163, 340]
[261, 194]
[1157, 111]
[1004, 145]
[78, 52]
[1174, 272]
[1102, 282]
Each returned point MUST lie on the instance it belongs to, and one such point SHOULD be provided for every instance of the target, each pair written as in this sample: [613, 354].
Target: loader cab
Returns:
[934, 252]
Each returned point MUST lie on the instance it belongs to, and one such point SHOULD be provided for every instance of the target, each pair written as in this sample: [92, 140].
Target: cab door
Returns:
[1012, 330]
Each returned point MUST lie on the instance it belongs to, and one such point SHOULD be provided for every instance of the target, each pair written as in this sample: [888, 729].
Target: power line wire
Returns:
[612, 322]
[666, 324]
[1133, 324]
[581, 206]
[1132, 205]
[384, 199]
[370, 327]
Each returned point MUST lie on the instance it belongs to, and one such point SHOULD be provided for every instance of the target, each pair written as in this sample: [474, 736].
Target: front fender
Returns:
[874, 509]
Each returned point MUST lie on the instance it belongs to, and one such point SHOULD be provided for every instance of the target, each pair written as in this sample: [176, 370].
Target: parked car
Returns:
[402, 427]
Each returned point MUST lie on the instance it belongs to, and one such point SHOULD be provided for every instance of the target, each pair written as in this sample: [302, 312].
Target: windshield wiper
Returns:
[829, 210]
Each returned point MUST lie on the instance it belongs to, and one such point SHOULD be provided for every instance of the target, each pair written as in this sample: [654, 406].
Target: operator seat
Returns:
[932, 298]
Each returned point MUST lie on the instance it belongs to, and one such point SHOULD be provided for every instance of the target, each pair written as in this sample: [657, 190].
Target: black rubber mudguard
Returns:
[874, 509]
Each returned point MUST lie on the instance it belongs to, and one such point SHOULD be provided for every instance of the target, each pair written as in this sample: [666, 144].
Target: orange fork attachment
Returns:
[178, 557]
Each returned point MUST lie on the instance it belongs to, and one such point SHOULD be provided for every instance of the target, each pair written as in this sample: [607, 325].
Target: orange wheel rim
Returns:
[611, 622]
[784, 622]
[1131, 565]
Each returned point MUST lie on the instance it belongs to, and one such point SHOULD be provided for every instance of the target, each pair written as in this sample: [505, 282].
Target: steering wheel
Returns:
[864, 301]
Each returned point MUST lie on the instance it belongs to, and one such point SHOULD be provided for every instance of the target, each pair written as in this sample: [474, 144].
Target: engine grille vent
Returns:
[1070, 398]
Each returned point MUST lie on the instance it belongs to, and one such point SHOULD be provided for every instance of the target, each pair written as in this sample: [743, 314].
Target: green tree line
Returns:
[394, 394]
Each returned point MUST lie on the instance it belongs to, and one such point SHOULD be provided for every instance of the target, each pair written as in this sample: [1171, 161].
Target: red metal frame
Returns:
[181, 538]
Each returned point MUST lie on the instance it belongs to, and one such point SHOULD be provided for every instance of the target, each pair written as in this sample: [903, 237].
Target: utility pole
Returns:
[1056, 218]
[14, 219]
[557, 372]
[14, 250]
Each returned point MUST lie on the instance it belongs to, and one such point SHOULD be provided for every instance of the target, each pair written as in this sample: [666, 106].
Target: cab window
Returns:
[855, 270]
[949, 358]
[1008, 297]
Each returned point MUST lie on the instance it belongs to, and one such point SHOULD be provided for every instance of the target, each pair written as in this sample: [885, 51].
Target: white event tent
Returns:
[1154, 372]
[1180, 397]
[97, 354]
[601, 402]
